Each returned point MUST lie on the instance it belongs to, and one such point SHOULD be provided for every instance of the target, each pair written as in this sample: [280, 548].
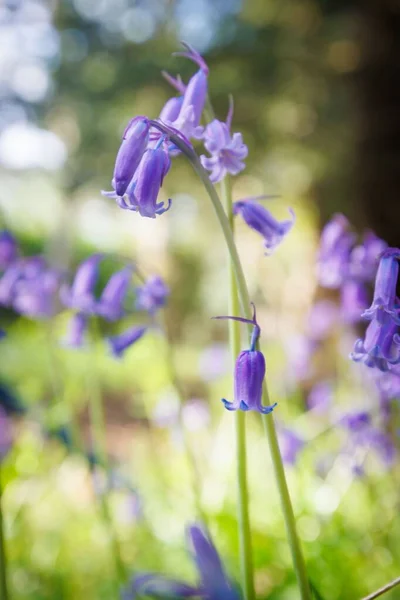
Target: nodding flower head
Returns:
[120, 343]
[111, 303]
[80, 296]
[364, 259]
[8, 249]
[381, 347]
[141, 195]
[134, 144]
[334, 252]
[384, 300]
[227, 151]
[249, 373]
[152, 295]
[260, 219]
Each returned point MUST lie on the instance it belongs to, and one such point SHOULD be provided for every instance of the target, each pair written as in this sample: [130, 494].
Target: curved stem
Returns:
[246, 558]
[383, 590]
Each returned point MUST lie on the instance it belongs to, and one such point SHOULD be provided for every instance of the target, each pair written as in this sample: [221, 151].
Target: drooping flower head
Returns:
[334, 252]
[152, 295]
[260, 219]
[80, 296]
[384, 300]
[381, 346]
[8, 249]
[249, 374]
[111, 303]
[227, 151]
[120, 343]
[134, 144]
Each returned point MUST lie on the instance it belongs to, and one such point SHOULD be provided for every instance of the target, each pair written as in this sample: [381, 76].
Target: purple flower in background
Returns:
[214, 361]
[20, 270]
[8, 249]
[354, 301]
[120, 343]
[384, 302]
[334, 252]
[364, 258]
[322, 318]
[249, 374]
[365, 435]
[80, 296]
[152, 295]
[213, 585]
[5, 434]
[142, 192]
[260, 219]
[36, 296]
[227, 151]
[290, 445]
[320, 397]
[111, 303]
[380, 348]
[134, 144]
[76, 331]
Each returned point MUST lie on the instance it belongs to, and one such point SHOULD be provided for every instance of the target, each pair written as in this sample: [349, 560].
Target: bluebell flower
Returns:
[384, 301]
[111, 303]
[8, 249]
[227, 151]
[334, 252]
[364, 259]
[19, 270]
[249, 374]
[134, 144]
[120, 343]
[260, 219]
[152, 295]
[36, 296]
[213, 585]
[171, 110]
[80, 296]
[77, 328]
[381, 346]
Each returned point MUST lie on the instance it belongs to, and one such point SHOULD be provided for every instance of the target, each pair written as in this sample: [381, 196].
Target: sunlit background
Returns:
[72, 74]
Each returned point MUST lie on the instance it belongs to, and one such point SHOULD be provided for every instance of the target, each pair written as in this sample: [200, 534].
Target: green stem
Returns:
[246, 559]
[287, 509]
[3, 558]
[383, 590]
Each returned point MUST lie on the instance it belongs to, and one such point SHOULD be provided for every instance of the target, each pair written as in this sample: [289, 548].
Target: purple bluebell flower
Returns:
[320, 397]
[290, 445]
[384, 301]
[134, 144]
[111, 303]
[227, 151]
[354, 300]
[322, 318]
[36, 296]
[76, 331]
[214, 583]
[249, 374]
[141, 195]
[260, 219]
[171, 110]
[334, 252]
[152, 295]
[80, 296]
[120, 343]
[8, 249]
[20, 270]
[381, 346]
[364, 259]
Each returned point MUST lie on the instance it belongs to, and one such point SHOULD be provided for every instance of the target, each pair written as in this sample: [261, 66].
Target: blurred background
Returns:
[316, 92]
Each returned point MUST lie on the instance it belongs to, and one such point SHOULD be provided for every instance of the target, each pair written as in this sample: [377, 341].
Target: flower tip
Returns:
[193, 55]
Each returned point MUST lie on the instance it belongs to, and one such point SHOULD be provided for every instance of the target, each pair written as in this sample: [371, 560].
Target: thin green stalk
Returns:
[191, 459]
[383, 590]
[287, 509]
[3, 558]
[246, 558]
[98, 435]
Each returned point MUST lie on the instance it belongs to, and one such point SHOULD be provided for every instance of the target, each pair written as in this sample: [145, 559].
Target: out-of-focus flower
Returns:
[214, 361]
[111, 303]
[322, 318]
[120, 343]
[299, 350]
[77, 328]
[320, 397]
[227, 151]
[385, 288]
[364, 258]
[260, 219]
[141, 195]
[8, 249]
[152, 295]
[381, 346]
[364, 434]
[5, 434]
[20, 270]
[134, 144]
[80, 296]
[36, 297]
[290, 445]
[354, 301]
[249, 374]
[213, 584]
[334, 252]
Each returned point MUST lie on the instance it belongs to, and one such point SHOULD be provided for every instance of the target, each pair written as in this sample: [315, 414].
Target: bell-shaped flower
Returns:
[384, 300]
[171, 109]
[8, 249]
[334, 252]
[364, 259]
[80, 296]
[227, 151]
[120, 343]
[381, 347]
[111, 303]
[152, 295]
[260, 219]
[134, 144]
[249, 374]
